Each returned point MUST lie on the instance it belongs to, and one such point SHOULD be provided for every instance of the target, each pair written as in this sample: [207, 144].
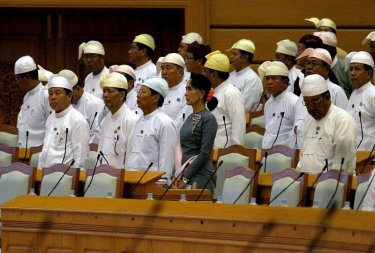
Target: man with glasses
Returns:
[93, 57]
[330, 133]
[361, 104]
[279, 108]
[35, 108]
[154, 140]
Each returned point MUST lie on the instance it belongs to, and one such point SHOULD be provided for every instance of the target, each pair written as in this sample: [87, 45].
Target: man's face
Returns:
[237, 59]
[58, 99]
[283, 58]
[135, 54]
[359, 76]
[315, 66]
[191, 64]
[276, 85]
[94, 62]
[371, 48]
[171, 73]
[145, 99]
[23, 82]
[182, 49]
[317, 106]
[113, 98]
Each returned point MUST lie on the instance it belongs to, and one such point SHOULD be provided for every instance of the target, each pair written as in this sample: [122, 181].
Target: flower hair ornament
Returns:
[210, 94]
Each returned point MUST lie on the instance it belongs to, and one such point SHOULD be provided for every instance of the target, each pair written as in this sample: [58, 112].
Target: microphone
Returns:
[364, 195]
[101, 153]
[251, 180]
[226, 132]
[287, 187]
[66, 171]
[278, 130]
[172, 183]
[93, 120]
[212, 175]
[265, 161]
[337, 184]
[139, 181]
[27, 138]
[360, 121]
[316, 180]
[367, 160]
[93, 174]
[66, 141]
[183, 117]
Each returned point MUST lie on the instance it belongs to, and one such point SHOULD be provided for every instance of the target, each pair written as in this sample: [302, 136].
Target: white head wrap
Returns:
[313, 85]
[70, 75]
[322, 22]
[145, 39]
[24, 64]
[157, 84]
[272, 68]
[369, 37]
[124, 69]
[91, 47]
[57, 81]
[359, 57]
[328, 38]
[175, 59]
[287, 47]
[113, 80]
[245, 45]
[191, 37]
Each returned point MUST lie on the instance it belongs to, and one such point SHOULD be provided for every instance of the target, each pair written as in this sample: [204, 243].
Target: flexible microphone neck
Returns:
[278, 130]
[337, 184]
[66, 171]
[367, 160]
[66, 141]
[93, 174]
[226, 132]
[316, 180]
[367, 188]
[250, 182]
[93, 120]
[140, 179]
[360, 121]
[287, 187]
[265, 161]
[183, 117]
[105, 159]
[27, 139]
[212, 175]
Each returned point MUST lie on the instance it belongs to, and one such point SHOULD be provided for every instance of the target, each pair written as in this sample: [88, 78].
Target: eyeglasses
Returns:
[314, 64]
[312, 102]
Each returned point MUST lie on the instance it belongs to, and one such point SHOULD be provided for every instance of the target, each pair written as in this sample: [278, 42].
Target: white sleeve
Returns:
[236, 112]
[167, 144]
[80, 143]
[369, 200]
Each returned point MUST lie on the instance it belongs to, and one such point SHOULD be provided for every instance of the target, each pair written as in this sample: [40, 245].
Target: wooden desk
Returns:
[52, 224]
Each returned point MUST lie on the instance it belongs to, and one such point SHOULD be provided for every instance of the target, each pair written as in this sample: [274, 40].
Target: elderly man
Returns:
[88, 105]
[279, 108]
[154, 139]
[361, 105]
[93, 57]
[286, 53]
[118, 124]
[35, 108]
[175, 103]
[331, 132]
[229, 113]
[370, 39]
[243, 77]
[67, 131]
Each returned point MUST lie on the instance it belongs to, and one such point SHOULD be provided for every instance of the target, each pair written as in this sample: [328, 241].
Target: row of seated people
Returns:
[241, 185]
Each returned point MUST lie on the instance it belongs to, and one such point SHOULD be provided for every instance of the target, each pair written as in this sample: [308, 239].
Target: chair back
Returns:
[91, 161]
[279, 158]
[34, 155]
[363, 181]
[253, 140]
[232, 157]
[292, 183]
[255, 122]
[107, 179]
[326, 186]
[8, 145]
[50, 177]
[16, 179]
[237, 181]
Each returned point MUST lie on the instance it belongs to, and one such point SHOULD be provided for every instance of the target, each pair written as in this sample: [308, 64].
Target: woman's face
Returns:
[193, 95]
